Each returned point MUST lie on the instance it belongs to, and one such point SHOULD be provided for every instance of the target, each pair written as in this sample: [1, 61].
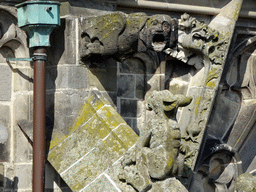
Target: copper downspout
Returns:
[39, 119]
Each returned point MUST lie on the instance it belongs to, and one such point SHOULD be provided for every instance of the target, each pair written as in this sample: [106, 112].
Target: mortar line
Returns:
[92, 149]
[105, 170]
[80, 126]
[11, 110]
[77, 41]
[112, 182]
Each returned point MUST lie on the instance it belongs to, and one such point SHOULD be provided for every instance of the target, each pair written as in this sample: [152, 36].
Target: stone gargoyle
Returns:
[155, 156]
[120, 36]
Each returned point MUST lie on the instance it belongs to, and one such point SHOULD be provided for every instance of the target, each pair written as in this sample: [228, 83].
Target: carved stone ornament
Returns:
[121, 35]
[156, 154]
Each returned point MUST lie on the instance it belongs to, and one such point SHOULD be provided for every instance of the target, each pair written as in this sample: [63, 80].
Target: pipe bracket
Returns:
[39, 56]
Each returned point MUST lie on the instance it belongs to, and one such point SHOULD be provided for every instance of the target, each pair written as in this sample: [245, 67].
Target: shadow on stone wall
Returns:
[7, 183]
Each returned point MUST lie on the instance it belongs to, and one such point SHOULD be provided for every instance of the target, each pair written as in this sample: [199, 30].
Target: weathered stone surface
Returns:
[126, 86]
[155, 155]
[2, 175]
[104, 79]
[128, 108]
[63, 43]
[245, 183]
[98, 137]
[5, 132]
[5, 52]
[168, 185]
[23, 149]
[132, 65]
[20, 171]
[127, 35]
[23, 80]
[141, 86]
[6, 83]
[51, 178]
[102, 183]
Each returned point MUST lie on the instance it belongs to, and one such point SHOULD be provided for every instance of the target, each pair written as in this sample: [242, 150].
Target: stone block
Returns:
[22, 107]
[104, 78]
[97, 138]
[141, 86]
[129, 121]
[23, 149]
[77, 77]
[101, 184]
[5, 133]
[24, 182]
[6, 83]
[135, 126]
[10, 179]
[56, 76]
[23, 80]
[128, 108]
[2, 175]
[132, 65]
[6, 52]
[154, 82]
[126, 86]
[63, 43]
[51, 177]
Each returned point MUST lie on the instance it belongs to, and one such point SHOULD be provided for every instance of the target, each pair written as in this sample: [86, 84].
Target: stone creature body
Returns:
[156, 152]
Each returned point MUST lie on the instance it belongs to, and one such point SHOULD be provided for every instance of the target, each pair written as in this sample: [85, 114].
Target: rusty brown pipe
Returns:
[39, 119]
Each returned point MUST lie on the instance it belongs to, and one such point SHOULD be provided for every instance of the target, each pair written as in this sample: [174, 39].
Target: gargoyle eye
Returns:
[154, 22]
[166, 25]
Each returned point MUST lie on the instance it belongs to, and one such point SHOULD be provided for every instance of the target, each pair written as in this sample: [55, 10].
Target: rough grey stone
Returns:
[252, 167]
[104, 79]
[141, 86]
[23, 80]
[156, 152]
[23, 149]
[5, 132]
[63, 43]
[126, 86]
[246, 183]
[128, 108]
[22, 104]
[124, 40]
[2, 175]
[10, 175]
[101, 184]
[51, 77]
[20, 171]
[51, 177]
[5, 52]
[78, 77]
[135, 126]
[128, 121]
[132, 65]
[6, 83]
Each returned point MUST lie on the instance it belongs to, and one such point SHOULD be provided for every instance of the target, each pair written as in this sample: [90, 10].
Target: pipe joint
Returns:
[39, 56]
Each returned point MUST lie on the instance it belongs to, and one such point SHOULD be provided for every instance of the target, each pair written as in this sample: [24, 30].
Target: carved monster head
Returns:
[159, 33]
[162, 102]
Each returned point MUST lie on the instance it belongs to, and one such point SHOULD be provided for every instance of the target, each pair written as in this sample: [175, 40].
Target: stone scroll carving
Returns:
[156, 154]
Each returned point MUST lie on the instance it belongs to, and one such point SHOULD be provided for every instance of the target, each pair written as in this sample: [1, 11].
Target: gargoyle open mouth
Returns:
[158, 42]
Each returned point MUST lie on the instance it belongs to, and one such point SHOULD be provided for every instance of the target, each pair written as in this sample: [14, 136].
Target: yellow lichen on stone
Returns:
[98, 137]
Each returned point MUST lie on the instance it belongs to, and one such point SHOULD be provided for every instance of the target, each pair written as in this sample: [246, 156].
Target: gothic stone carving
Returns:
[155, 155]
[121, 35]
